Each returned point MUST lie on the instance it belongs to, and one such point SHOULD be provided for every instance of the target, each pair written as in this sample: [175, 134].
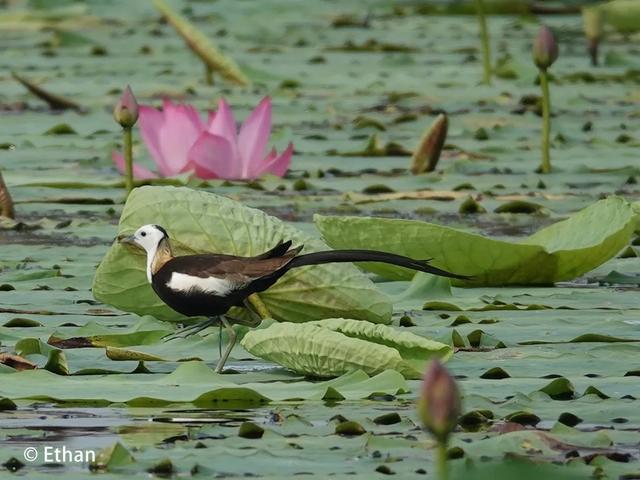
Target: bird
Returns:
[210, 284]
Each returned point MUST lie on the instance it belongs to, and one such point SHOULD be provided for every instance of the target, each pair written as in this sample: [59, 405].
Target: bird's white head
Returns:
[155, 241]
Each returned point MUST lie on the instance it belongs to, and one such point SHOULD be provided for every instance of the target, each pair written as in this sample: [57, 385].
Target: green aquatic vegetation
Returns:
[332, 347]
[562, 251]
[593, 23]
[545, 53]
[484, 41]
[125, 113]
[192, 382]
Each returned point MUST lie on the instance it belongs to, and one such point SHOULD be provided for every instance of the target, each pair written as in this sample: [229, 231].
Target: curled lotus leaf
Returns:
[332, 347]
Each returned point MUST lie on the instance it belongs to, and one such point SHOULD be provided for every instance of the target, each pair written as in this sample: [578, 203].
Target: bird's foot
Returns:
[191, 329]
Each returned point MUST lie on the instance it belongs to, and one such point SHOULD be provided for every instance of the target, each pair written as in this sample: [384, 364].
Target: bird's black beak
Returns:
[128, 240]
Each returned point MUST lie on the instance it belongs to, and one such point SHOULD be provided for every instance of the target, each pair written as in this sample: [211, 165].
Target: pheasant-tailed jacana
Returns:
[208, 285]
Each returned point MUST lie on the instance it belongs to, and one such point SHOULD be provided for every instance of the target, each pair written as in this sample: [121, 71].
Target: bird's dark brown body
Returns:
[248, 275]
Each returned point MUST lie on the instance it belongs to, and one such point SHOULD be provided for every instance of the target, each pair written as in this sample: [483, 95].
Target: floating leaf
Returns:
[16, 362]
[413, 349]
[61, 129]
[56, 360]
[201, 222]
[120, 354]
[191, 382]
[519, 206]
[6, 404]
[470, 206]
[622, 15]
[350, 428]
[387, 419]
[559, 252]
[113, 456]
[332, 347]
[250, 430]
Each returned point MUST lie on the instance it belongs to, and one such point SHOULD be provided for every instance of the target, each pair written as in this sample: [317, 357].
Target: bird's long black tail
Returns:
[338, 256]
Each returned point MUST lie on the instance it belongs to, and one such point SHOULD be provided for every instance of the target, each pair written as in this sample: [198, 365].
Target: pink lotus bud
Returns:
[126, 110]
[545, 48]
[439, 405]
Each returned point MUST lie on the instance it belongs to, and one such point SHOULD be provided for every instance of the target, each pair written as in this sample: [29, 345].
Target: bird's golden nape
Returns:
[210, 284]
[162, 255]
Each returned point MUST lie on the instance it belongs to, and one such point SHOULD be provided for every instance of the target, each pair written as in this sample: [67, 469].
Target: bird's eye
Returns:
[143, 234]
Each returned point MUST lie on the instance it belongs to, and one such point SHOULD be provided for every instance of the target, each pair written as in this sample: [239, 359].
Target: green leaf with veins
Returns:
[562, 251]
[332, 347]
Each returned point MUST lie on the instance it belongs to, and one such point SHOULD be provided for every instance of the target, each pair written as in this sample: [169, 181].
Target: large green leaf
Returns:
[192, 382]
[332, 347]
[559, 252]
[204, 222]
[414, 349]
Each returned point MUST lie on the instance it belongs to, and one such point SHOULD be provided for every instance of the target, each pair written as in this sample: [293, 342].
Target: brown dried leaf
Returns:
[17, 362]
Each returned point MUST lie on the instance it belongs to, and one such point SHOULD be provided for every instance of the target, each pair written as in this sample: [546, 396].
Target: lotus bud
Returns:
[593, 20]
[427, 153]
[6, 203]
[545, 48]
[126, 110]
[439, 405]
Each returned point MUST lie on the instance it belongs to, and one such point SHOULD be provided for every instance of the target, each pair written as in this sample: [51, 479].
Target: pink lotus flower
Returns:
[179, 141]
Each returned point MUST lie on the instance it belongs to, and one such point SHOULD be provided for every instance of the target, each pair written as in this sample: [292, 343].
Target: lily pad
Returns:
[332, 347]
[192, 382]
[562, 251]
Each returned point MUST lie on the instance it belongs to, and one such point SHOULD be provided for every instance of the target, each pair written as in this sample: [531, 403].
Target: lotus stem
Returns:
[592, 48]
[593, 20]
[546, 121]
[484, 39]
[260, 307]
[6, 202]
[443, 467]
[200, 45]
[128, 157]
[208, 75]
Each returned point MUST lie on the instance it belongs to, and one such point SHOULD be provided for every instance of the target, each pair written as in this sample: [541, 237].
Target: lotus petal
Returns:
[212, 157]
[254, 135]
[180, 129]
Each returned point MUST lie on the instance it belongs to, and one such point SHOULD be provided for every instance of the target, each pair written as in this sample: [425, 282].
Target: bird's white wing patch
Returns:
[181, 282]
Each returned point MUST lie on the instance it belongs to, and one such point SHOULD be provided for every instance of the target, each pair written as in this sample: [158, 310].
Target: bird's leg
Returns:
[231, 342]
[191, 329]
[255, 318]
